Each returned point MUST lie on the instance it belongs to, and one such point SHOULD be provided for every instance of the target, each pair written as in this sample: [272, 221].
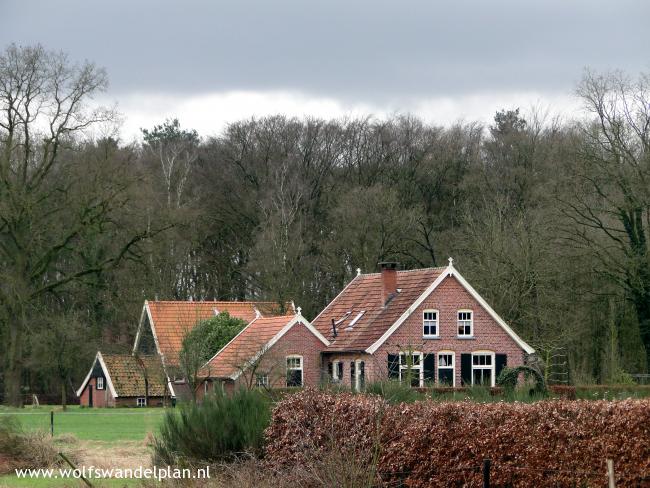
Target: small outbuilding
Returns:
[124, 380]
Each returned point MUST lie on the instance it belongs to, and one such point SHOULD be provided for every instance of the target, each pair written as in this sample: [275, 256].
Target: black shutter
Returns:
[466, 369]
[393, 366]
[500, 362]
[429, 367]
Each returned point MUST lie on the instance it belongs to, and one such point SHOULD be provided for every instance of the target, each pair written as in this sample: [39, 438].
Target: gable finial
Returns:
[299, 310]
[451, 261]
[358, 271]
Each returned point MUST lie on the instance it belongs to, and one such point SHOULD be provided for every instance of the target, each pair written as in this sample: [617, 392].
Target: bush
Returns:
[23, 450]
[394, 391]
[222, 428]
[550, 443]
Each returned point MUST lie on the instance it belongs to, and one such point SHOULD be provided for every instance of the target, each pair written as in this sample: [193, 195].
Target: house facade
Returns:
[270, 352]
[424, 326]
[124, 380]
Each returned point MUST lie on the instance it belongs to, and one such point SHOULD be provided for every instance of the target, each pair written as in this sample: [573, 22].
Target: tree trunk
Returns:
[64, 402]
[14, 367]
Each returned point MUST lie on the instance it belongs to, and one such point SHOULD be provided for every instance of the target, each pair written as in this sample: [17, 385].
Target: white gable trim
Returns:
[450, 271]
[146, 313]
[99, 358]
[298, 319]
[336, 298]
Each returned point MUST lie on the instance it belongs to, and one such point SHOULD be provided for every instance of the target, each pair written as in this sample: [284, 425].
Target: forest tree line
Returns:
[548, 218]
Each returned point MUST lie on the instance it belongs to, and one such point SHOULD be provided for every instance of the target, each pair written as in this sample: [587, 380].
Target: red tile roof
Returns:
[364, 294]
[172, 320]
[250, 341]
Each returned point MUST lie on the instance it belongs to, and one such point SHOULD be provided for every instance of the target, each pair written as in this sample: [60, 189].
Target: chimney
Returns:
[388, 281]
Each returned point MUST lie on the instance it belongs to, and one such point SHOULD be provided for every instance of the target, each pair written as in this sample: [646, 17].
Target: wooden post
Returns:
[51, 423]
[65, 458]
[610, 474]
[486, 473]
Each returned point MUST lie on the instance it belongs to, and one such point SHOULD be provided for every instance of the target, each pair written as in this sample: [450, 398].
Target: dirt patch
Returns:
[106, 455]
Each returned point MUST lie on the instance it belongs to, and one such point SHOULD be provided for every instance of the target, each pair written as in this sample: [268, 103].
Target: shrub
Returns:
[20, 449]
[394, 391]
[551, 443]
[221, 428]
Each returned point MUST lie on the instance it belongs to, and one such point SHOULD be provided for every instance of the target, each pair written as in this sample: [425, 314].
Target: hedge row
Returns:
[550, 443]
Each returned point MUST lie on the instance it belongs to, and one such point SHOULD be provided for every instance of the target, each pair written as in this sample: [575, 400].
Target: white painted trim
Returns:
[437, 334]
[147, 309]
[336, 298]
[450, 271]
[98, 357]
[471, 323]
[87, 378]
[407, 313]
[138, 335]
[296, 319]
[406, 367]
[301, 369]
[492, 367]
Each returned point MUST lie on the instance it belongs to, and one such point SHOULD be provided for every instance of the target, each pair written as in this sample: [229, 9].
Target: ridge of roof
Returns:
[430, 268]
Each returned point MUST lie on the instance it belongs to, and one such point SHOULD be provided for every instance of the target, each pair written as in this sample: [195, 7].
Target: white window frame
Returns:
[452, 367]
[471, 324]
[262, 380]
[141, 402]
[491, 367]
[99, 383]
[357, 373]
[335, 371]
[437, 324]
[419, 367]
[302, 373]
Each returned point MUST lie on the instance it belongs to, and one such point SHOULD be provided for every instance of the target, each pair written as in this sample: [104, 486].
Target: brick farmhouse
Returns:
[425, 326]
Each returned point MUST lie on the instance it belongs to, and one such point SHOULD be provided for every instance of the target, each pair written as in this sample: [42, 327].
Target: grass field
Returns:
[102, 437]
[99, 424]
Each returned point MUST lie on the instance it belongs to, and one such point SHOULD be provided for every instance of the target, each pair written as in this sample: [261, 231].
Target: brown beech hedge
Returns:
[547, 443]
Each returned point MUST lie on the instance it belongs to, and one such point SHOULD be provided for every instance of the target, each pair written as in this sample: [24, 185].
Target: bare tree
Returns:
[611, 206]
[51, 204]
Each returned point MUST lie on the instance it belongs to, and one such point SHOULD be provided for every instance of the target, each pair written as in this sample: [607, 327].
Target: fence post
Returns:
[486, 473]
[51, 423]
[610, 474]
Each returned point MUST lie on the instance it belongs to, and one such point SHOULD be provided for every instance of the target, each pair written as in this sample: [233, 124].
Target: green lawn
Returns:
[13, 482]
[99, 424]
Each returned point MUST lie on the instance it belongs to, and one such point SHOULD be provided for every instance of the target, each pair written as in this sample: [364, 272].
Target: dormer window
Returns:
[430, 324]
[465, 323]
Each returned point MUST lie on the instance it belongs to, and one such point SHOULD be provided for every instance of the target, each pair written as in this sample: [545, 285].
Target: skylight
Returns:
[355, 319]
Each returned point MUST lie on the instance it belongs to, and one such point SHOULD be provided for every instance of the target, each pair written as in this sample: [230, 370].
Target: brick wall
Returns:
[447, 298]
[101, 398]
[298, 341]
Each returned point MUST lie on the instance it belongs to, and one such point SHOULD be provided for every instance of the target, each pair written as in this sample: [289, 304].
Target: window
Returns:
[410, 368]
[359, 376]
[337, 371]
[294, 371]
[262, 380]
[430, 323]
[465, 326]
[100, 383]
[142, 402]
[446, 368]
[483, 368]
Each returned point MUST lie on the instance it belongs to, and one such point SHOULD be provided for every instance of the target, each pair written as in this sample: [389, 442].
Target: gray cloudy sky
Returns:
[210, 62]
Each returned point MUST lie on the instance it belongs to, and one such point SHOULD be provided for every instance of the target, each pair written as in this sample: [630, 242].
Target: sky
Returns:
[212, 62]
